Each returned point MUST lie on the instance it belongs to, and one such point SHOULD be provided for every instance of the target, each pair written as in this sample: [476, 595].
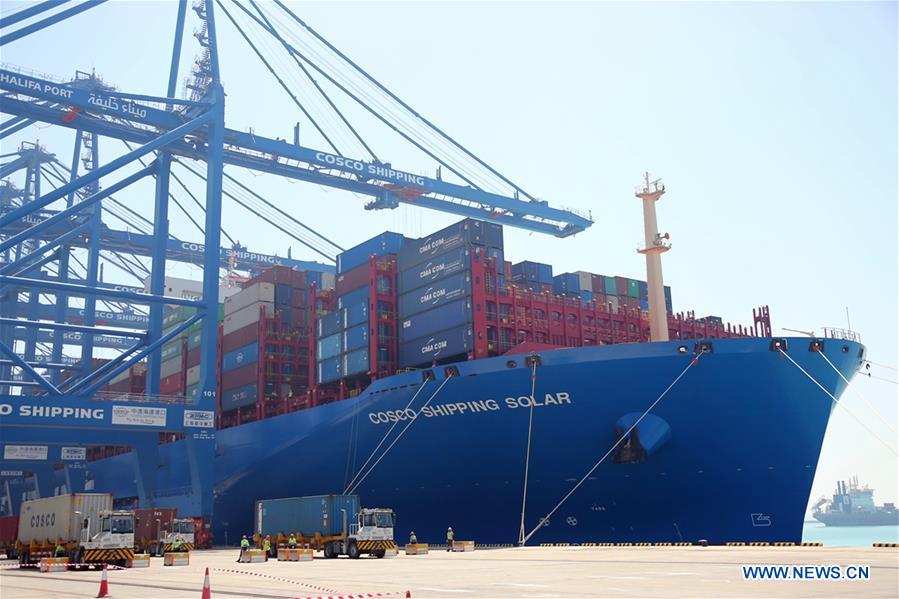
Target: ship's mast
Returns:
[655, 245]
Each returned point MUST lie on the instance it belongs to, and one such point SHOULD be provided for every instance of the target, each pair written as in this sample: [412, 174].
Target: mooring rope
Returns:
[527, 455]
[857, 392]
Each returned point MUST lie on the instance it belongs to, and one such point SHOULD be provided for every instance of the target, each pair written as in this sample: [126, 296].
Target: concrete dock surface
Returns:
[533, 573]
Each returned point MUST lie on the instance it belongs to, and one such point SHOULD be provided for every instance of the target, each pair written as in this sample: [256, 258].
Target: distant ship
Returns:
[853, 505]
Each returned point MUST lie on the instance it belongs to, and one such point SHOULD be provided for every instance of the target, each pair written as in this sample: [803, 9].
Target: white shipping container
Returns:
[613, 300]
[255, 293]
[170, 367]
[585, 280]
[329, 280]
[193, 375]
[55, 518]
[246, 317]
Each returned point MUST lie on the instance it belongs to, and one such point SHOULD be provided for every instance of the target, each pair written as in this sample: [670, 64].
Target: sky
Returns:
[773, 126]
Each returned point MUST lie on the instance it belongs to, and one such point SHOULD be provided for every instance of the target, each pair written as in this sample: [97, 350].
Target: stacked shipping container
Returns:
[619, 292]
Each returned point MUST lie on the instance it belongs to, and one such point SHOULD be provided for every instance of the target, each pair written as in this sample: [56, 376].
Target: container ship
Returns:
[853, 505]
[427, 375]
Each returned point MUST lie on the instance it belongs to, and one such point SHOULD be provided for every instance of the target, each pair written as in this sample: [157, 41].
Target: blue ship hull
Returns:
[732, 448]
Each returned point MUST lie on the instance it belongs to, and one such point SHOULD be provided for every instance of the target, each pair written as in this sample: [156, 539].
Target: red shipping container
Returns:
[239, 377]
[172, 385]
[241, 337]
[280, 274]
[193, 357]
[145, 526]
[598, 284]
[621, 285]
[599, 298]
[352, 280]
[9, 530]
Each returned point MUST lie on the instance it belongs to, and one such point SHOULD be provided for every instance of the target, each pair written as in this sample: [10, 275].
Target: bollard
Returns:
[252, 556]
[141, 560]
[176, 559]
[54, 564]
[417, 549]
[463, 546]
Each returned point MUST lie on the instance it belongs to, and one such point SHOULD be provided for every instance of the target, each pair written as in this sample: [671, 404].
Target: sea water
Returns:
[848, 536]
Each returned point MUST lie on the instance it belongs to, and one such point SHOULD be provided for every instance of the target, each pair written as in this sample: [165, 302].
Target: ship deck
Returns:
[566, 572]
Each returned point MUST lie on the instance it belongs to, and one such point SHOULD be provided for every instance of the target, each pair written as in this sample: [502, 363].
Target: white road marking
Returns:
[446, 590]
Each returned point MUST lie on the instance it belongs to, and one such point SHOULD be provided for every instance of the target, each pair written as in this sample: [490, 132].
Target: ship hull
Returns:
[736, 463]
[879, 518]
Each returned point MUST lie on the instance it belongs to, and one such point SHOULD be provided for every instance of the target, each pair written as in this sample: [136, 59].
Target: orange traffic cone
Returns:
[408, 594]
[207, 592]
[104, 584]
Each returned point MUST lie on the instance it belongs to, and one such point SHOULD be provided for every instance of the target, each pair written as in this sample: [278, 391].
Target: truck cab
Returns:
[113, 543]
[183, 528]
[375, 524]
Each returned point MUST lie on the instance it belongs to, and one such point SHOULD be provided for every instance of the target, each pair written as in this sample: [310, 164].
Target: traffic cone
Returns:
[104, 584]
[207, 592]
[408, 594]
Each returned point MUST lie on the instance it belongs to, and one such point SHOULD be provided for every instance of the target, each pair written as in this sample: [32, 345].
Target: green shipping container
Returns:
[611, 287]
[193, 339]
[633, 288]
[170, 350]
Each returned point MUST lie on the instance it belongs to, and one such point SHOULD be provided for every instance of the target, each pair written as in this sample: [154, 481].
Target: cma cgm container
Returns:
[385, 243]
[55, 518]
[328, 515]
[448, 316]
[463, 233]
[440, 293]
[439, 346]
[425, 273]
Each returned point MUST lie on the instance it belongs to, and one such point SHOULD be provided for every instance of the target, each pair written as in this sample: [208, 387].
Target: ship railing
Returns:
[844, 334]
[140, 397]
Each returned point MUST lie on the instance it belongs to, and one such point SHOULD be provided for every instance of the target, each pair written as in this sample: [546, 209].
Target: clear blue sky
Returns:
[774, 126]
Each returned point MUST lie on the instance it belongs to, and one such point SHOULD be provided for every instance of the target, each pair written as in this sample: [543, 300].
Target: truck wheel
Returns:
[329, 551]
[379, 553]
[353, 550]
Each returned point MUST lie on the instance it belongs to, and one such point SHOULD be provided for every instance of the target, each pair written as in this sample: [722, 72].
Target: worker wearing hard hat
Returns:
[449, 538]
[413, 540]
[244, 545]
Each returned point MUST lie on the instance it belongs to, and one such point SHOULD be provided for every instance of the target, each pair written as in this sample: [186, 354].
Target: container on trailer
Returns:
[246, 316]
[430, 271]
[55, 518]
[239, 397]
[355, 338]
[359, 296]
[240, 356]
[463, 233]
[240, 337]
[254, 294]
[355, 362]
[146, 527]
[329, 347]
[239, 377]
[9, 529]
[328, 515]
[353, 279]
[438, 346]
[448, 316]
[385, 243]
[329, 370]
[441, 292]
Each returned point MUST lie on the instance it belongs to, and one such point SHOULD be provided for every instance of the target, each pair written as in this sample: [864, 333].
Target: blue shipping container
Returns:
[359, 296]
[440, 293]
[329, 347]
[356, 314]
[240, 356]
[385, 243]
[355, 338]
[324, 514]
[329, 324]
[329, 370]
[466, 232]
[644, 304]
[355, 362]
[533, 272]
[566, 283]
[283, 295]
[447, 264]
[448, 316]
[239, 397]
[586, 296]
[423, 351]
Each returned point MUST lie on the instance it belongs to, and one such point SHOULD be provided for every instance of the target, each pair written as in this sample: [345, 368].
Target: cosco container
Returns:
[355, 362]
[451, 315]
[239, 397]
[428, 272]
[254, 294]
[466, 232]
[442, 292]
[329, 347]
[246, 316]
[61, 517]
[329, 370]
[327, 515]
[439, 346]
[240, 356]
[355, 338]
[385, 243]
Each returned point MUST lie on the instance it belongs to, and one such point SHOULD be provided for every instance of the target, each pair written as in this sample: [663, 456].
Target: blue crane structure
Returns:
[46, 418]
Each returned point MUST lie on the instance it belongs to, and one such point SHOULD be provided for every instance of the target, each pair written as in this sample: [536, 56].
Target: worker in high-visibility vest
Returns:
[176, 545]
[244, 545]
[292, 541]
[60, 550]
[413, 540]
[449, 538]
[267, 546]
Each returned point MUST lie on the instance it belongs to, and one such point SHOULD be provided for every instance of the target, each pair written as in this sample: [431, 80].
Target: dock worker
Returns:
[413, 540]
[292, 541]
[60, 550]
[267, 546]
[244, 545]
[176, 545]
[449, 538]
